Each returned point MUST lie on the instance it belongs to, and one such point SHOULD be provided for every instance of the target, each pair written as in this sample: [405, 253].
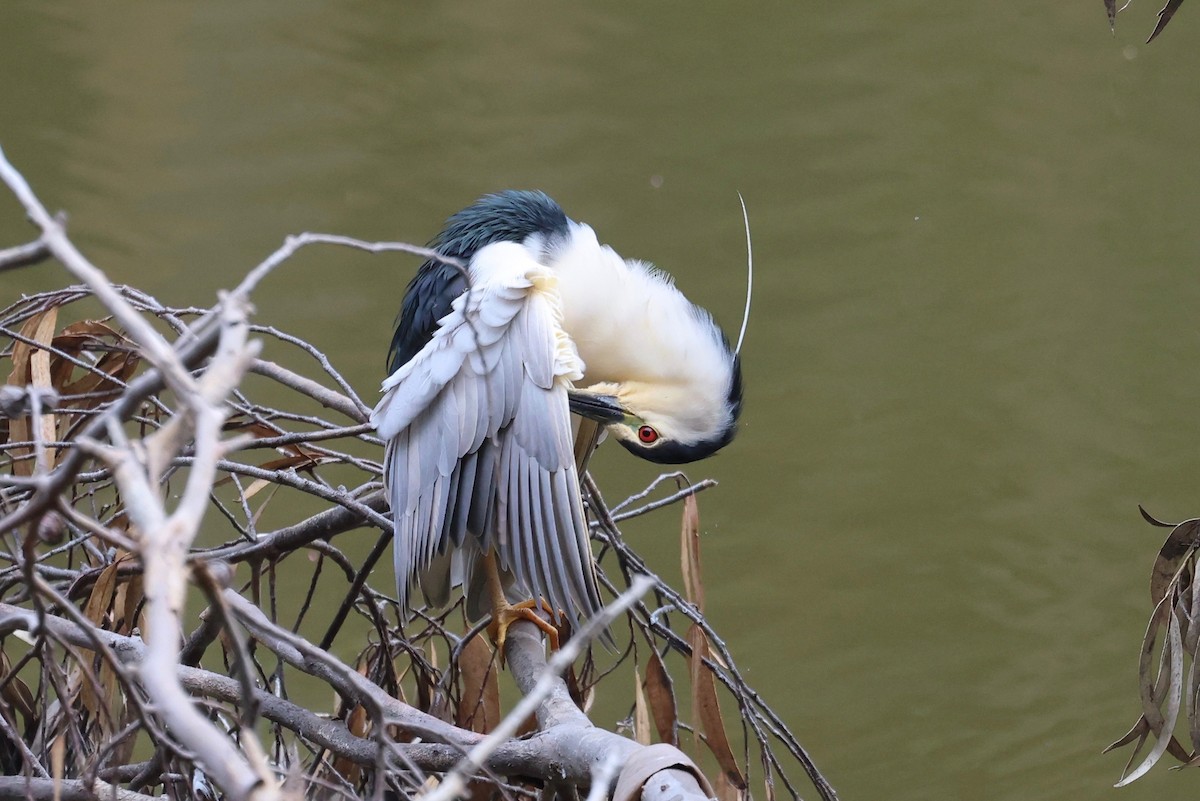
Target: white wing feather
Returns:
[479, 449]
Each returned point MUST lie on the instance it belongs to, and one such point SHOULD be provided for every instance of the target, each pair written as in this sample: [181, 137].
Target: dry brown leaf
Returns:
[245, 425]
[256, 486]
[128, 597]
[1164, 16]
[1165, 725]
[83, 691]
[16, 692]
[358, 725]
[431, 697]
[661, 696]
[706, 711]
[260, 430]
[300, 462]
[103, 594]
[1179, 545]
[262, 507]
[58, 763]
[103, 381]
[39, 369]
[479, 703]
[1138, 732]
[726, 790]
[75, 335]
[110, 686]
[693, 584]
[641, 713]
[118, 362]
[31, 365]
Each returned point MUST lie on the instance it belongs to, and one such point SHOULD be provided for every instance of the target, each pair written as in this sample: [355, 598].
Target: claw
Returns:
[504, 616]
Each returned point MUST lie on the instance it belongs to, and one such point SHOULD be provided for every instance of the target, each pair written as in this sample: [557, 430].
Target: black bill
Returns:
[604, 409]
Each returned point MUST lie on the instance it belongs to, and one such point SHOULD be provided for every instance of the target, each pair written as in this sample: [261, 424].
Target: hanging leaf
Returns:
[1163, 731]
[661, 696]
[103, 593]
[15, 692]
[300, 462]
[1164, 16]
[128, 597]
[693, 585]
[641, 712]
[103, 380]
[31, 366]
[727, 790]
[1180, 544]
[707, 711]
[479, 702]
[260, 430]
[358, 724]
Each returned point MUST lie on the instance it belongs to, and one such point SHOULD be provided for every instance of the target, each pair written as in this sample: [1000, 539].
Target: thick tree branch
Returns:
[18, 788]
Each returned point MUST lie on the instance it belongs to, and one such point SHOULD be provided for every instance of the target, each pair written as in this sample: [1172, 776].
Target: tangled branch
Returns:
[172, 624]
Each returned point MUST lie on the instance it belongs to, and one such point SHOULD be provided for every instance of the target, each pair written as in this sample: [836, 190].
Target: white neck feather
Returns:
[664, 340]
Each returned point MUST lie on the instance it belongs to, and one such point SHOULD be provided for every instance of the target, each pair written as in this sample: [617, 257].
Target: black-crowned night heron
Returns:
[480, 464]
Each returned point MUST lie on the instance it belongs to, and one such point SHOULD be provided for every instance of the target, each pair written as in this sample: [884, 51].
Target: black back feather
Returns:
[509, 216]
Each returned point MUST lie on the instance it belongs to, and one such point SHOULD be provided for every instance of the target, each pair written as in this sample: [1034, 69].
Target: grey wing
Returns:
[479, 451]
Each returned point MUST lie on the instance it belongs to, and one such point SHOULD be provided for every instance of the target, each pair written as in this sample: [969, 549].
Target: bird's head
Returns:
[673, 417]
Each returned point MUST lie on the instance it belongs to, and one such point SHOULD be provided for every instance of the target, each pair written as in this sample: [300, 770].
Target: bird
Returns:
[527, 321]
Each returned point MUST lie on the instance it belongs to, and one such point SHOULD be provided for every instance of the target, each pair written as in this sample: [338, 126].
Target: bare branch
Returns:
[27, 255]
[102, 501]
[18, 788]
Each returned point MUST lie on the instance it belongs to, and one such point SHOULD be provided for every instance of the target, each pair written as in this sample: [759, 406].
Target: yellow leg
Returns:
[505, 614]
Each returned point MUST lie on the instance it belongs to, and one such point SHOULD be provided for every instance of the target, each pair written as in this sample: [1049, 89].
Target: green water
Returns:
[972, 351]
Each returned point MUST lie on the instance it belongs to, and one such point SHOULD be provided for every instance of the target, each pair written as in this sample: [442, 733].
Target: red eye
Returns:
[647, 434]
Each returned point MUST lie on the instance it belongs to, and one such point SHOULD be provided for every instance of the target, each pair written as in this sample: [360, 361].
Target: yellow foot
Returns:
[505, 616]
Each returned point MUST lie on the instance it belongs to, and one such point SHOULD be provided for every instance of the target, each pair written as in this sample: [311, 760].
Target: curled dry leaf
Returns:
[104, 380]
[644, 763]
[1152, 520]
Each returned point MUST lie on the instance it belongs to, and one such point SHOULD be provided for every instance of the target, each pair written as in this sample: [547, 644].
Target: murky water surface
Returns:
[974, 345]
